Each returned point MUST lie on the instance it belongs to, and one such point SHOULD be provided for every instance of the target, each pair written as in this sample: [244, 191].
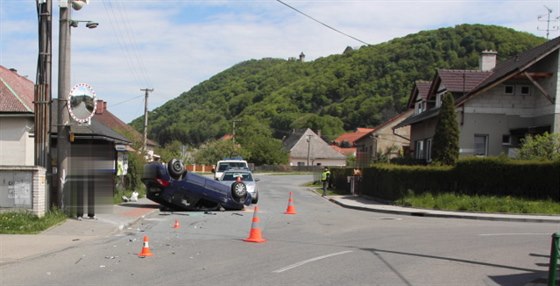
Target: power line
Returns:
[127, 100]
[116, 11]
[322, 23]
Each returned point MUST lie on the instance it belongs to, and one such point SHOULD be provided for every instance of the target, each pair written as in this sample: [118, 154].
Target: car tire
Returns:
[256, 198]
[176, 168]
[239, 191]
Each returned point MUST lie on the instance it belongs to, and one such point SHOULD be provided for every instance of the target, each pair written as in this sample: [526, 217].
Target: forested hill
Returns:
[357, 88]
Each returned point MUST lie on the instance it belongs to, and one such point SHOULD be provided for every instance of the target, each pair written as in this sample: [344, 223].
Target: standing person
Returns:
[325, 177]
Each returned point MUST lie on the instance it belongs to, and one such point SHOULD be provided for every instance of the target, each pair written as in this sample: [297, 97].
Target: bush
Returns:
[540, 147]
[487, 176]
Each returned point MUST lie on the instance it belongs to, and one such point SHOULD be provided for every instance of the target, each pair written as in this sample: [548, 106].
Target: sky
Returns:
[172, 45]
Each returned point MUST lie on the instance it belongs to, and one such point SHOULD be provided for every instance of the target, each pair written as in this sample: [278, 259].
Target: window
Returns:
[506, 139]
[419, 149]
[420, 107]
[480, 144]
[438, 99]
[429, 149]
[508, 89]
[525, 90]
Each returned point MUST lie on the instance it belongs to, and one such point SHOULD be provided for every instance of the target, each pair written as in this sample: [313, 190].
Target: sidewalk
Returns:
[73, 231]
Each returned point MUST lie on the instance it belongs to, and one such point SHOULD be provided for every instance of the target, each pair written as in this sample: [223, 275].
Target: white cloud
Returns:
[173, 45]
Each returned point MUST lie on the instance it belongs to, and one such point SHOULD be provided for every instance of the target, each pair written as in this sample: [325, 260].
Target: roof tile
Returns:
[16, 92]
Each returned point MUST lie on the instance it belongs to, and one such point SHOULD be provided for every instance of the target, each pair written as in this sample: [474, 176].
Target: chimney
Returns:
[101, 106]
[488, 60]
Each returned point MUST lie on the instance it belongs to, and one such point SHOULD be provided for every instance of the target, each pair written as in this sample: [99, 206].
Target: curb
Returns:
[427, 213]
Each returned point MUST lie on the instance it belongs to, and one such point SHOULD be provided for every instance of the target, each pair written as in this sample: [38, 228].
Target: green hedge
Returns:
[480, 176]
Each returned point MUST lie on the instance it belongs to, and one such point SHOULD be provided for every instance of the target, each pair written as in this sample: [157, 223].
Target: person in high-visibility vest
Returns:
[325, 176]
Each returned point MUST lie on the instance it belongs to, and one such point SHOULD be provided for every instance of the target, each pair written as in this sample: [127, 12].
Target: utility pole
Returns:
[308, 147]
[43, 86]
[146, 92]
[548, 20]
[62, 143]
[233, 136]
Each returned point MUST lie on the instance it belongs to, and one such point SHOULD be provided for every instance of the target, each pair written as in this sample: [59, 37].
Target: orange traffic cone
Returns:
[255, 233]
[145, 249]
[291, 209]
[176, 225]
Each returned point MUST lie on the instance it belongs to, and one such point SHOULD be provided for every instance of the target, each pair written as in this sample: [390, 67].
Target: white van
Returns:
[228, 163]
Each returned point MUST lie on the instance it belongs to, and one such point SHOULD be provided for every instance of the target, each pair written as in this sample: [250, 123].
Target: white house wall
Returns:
[16, 144]
[495, 113]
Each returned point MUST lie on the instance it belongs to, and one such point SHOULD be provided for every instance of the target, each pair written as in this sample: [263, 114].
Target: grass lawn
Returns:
[28, 223]
[489, 204]
[465, 203]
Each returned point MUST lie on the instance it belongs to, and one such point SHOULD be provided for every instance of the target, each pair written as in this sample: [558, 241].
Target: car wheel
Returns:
[239, 191]
[256, 198]
[175, 168]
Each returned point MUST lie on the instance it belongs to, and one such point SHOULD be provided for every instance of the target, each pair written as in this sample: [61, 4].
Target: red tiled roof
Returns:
[462, 80]
[16, 92]
[420, 90]
[352, 136]
[423, 87]
[345, 151]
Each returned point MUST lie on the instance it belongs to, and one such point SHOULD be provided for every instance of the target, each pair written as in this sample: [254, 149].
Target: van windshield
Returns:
[228, 165]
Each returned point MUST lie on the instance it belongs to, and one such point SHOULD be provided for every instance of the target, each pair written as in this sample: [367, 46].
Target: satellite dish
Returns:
[82, 103]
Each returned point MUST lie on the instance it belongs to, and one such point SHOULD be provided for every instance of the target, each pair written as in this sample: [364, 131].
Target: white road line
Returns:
[514, 233]
[309, 260]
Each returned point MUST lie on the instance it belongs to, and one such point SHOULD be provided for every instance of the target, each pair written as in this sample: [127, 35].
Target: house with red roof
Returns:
[496, 106]
[345, 143]
[382, 142]
[16, 119]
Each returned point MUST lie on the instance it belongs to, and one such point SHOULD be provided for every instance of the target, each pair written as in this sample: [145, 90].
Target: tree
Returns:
[540, 147]
[445, 146]
[175, 150]
[266, 151]
[217, 150]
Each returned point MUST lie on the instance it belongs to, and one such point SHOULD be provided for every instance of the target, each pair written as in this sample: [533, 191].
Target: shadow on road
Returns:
[532, 275]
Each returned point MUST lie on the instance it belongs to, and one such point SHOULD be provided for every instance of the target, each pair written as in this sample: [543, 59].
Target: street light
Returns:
[89, 24]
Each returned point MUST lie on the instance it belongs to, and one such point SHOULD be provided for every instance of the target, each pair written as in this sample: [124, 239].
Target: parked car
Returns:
[230, 176]
[228, 163]
[174, 188]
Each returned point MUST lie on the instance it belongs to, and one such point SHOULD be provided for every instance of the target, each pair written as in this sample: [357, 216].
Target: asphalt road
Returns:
[323, 244]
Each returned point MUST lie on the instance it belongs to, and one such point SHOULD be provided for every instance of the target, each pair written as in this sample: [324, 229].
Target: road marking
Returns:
[513, 233]
[309, 260]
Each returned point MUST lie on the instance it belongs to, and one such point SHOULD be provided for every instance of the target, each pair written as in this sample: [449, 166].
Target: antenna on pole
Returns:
[548, 21]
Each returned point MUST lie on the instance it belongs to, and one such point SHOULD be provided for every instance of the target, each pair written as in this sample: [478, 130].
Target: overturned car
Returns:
[174, 188]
